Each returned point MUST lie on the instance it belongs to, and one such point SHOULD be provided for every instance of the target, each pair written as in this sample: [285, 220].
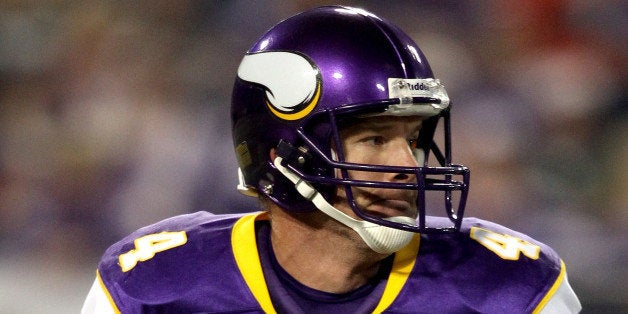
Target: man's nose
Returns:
[403, 157]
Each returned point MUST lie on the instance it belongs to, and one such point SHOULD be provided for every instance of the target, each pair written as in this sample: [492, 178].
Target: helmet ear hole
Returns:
[272, 154]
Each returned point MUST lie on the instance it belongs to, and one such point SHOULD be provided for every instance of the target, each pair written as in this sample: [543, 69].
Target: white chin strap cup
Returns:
[381, 239]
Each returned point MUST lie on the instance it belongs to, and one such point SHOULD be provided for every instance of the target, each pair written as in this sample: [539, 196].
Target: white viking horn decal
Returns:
[291, 81]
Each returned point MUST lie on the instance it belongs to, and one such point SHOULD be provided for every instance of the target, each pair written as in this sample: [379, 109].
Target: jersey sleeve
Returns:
[560, 298]
[182, 264]
[98, 300]
[554, 293]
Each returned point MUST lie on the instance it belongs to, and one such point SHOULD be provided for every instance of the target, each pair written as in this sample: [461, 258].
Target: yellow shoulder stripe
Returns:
[552, 290]
[402, 266]
[106, 292]
[246, 255]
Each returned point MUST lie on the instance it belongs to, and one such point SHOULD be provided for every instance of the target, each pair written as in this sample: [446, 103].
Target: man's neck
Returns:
[321, 253]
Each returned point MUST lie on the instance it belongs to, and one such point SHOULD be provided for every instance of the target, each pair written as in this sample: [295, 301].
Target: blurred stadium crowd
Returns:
[115, 114]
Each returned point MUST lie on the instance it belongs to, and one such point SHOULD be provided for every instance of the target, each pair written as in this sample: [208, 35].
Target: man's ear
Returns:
[272, 155]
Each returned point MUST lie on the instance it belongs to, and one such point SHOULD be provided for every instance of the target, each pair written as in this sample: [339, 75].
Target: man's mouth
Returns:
[390, 208]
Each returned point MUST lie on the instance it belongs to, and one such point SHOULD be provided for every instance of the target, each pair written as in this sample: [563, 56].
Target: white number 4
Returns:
[148, 245]
[505, 246]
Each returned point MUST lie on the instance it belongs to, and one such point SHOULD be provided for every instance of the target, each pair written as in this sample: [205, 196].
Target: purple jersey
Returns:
[211, 263]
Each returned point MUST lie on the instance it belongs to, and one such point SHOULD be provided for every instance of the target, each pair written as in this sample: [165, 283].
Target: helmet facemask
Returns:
[316, 151]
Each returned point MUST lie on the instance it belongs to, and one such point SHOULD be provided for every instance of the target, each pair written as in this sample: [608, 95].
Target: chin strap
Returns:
[381, 239]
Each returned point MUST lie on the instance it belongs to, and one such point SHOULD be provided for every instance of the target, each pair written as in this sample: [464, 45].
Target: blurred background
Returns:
[115, 114]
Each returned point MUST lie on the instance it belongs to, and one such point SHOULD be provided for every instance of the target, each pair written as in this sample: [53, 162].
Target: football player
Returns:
[335, 113]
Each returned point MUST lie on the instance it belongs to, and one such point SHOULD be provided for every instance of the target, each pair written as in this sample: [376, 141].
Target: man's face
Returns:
[386, 141]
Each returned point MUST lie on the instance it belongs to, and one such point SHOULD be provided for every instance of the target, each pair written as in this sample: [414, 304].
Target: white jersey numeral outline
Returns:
[148, 245]
[505, 246]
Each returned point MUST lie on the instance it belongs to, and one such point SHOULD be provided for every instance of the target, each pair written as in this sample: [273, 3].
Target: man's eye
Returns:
[374, 140]
[412, 143]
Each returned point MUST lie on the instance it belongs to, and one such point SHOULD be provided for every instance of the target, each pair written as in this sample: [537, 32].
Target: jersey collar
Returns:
[245, 252]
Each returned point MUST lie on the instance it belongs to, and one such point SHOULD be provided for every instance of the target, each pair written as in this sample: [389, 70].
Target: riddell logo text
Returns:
[418, 86]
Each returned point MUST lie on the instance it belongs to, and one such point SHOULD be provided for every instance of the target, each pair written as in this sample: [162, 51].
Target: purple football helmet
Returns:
[313, 71]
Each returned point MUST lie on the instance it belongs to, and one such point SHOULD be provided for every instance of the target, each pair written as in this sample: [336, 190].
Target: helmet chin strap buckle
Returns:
[285, 150]
[290, 153]
[381, 239]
